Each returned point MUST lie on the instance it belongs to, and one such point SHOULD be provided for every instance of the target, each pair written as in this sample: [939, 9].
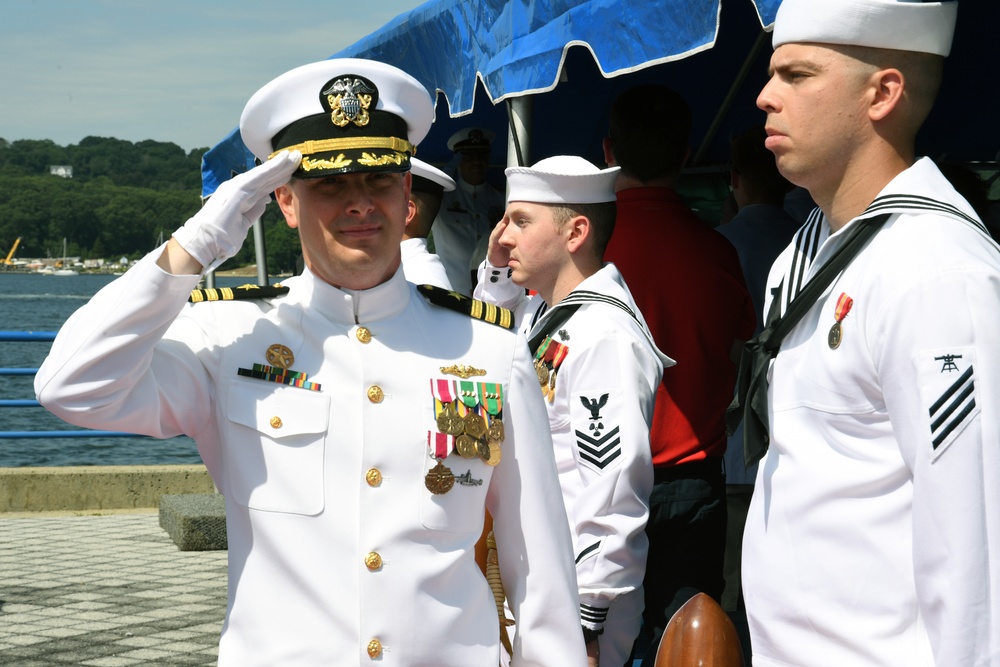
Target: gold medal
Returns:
[495, 432]
[439, 479]
[542, 372]
[444, 419]
[483, 449]
[473, 424]
[835, 336]
[456, 426]
[467, 446]
[494, 457]
[449, 422]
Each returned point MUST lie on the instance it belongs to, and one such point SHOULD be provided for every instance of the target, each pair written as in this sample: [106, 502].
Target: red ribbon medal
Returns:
[836, 334]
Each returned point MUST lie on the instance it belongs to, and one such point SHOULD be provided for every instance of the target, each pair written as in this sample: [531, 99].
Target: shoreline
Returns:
[241, 272]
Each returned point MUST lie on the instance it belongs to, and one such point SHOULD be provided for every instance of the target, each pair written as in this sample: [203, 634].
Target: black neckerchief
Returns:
[750, 402]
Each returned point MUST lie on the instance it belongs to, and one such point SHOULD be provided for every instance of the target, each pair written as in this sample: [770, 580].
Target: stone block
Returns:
[195, 521]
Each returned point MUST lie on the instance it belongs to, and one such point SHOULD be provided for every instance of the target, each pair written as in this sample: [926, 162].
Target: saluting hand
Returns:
[497, 255]
[218, 230]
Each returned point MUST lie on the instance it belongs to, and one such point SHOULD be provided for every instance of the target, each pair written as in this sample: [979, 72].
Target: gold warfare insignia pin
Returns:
[462, 371]
[279, 356]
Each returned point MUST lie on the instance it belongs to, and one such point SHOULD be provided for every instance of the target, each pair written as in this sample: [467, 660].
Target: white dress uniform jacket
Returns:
[600, 406]
[873, 536]
[467, 213]
[338, 553]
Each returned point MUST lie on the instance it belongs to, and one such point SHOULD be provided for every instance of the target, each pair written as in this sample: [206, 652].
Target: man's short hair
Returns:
[922, 73]
[602, 220]
[650, 130]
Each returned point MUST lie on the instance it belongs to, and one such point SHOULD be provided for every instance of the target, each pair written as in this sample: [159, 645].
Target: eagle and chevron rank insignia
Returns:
[596, 419]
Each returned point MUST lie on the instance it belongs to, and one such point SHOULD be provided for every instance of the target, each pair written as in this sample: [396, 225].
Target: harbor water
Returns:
[38, 302]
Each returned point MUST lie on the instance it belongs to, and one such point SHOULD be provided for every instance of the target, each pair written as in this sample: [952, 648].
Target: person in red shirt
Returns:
[687, 281]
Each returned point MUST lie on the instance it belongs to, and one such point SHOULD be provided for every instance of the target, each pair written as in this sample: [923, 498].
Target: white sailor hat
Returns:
[344, 115]
[563, 179]
[471, 140]
[428, 178]
[904, 25]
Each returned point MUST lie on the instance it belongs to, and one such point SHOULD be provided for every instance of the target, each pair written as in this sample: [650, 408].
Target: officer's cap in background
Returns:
[904, 25]
[345, 115]
[428, 178]
[471, 140]
[564, 179]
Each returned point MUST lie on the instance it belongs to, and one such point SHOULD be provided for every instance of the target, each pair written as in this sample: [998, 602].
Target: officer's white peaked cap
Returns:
[344, 115]
[421, 169]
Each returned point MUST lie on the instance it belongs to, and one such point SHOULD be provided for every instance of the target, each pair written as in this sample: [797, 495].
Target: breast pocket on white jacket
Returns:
[462, 508]
[274, 447]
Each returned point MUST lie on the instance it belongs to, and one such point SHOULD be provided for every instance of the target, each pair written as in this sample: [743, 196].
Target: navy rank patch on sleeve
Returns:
[948, 395]
[596, 422]
[474, 308]
[237, 293]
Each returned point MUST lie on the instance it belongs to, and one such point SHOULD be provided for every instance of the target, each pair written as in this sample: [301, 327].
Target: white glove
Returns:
[218, 230]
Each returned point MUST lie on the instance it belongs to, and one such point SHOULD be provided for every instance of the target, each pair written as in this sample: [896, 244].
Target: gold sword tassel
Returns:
[493, 577]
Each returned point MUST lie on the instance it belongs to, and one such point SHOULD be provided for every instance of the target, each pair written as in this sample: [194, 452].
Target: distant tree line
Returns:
[121, 198]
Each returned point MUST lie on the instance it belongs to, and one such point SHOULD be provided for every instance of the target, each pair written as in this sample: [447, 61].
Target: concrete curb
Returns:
[195, 521]
[86, 488]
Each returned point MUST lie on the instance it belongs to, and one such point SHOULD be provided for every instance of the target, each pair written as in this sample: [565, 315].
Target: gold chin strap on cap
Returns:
[349, 143]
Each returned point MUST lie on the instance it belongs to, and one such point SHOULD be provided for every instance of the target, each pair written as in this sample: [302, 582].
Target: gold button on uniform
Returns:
[374, 649]
[373, 477]
[364, 335]
[375, 394]
[276, 422]
[373, 561]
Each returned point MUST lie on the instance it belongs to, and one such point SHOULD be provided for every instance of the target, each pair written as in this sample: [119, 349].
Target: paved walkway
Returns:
[106, 591]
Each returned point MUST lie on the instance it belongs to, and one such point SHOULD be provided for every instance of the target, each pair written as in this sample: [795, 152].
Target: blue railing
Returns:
[43, 337]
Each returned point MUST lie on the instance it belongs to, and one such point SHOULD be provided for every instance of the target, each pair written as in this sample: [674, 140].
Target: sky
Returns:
[176, 71]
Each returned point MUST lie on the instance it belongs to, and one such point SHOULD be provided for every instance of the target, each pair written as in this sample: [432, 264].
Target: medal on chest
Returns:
[468, 416]
[548, 358]
[491, 400]
[836, 334]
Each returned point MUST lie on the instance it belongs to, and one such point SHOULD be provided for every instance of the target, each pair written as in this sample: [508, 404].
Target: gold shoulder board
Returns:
[237, 293]
[471, 307]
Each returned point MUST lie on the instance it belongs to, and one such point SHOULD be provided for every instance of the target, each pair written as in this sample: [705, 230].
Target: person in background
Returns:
[327, 412]
[420, 265]
[597, 366]
[760, 230]
[873, 536]
[687, 281]
[469, 212]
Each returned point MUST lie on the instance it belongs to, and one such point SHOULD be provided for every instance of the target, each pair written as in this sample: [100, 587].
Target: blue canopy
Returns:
[514, 48]
[519, 48]
[573, 57]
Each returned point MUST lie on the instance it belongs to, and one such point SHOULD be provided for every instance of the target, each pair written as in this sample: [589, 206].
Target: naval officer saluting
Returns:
[328, 415]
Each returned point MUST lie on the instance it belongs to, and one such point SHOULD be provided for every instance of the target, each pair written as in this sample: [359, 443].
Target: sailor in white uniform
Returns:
[598, 368]
[873, 536]
[327, 413]
[420, 265]
[470, 211]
